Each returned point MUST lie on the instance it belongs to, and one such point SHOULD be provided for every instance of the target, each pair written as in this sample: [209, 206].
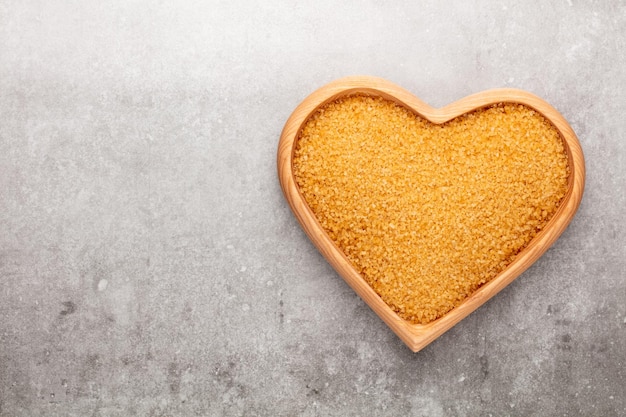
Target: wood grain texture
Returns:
[417, 336]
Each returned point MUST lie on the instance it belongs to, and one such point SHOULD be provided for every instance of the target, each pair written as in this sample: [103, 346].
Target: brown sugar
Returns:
[428, 213]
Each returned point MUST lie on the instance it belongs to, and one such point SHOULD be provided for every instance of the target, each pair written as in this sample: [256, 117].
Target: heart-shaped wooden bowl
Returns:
[416, 336]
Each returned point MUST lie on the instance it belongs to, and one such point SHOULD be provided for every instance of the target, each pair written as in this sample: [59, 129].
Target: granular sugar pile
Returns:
[428, 213]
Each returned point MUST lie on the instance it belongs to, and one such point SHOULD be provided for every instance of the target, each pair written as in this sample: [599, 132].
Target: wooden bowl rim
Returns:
[417, 336]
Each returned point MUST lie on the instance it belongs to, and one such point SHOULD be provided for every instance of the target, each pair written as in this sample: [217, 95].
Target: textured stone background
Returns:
[149, 264]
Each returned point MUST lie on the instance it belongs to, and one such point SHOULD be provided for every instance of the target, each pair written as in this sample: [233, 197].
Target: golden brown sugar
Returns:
[428, 213]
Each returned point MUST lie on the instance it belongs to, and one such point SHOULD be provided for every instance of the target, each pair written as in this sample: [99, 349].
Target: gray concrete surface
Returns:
[149, 264]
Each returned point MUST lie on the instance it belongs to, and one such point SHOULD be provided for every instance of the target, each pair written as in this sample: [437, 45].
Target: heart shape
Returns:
[425, 268]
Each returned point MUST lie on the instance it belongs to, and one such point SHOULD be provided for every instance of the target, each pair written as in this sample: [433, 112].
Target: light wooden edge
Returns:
[417, 336]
